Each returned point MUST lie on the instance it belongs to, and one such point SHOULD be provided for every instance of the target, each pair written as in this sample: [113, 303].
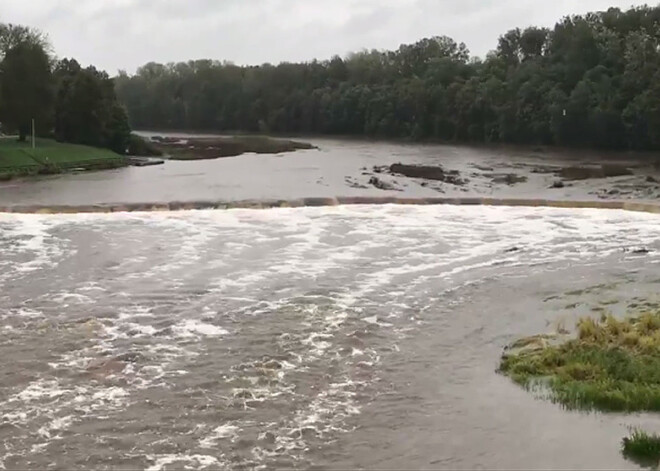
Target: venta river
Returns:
[323, 338]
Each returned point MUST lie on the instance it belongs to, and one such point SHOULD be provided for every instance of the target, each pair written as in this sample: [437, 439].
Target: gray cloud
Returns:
[124, 34]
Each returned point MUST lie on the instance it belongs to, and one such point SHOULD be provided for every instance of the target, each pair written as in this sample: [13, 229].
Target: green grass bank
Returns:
[49, 156]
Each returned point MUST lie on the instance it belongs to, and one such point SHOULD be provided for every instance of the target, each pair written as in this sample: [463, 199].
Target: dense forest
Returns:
[67, 102]
[592, 80]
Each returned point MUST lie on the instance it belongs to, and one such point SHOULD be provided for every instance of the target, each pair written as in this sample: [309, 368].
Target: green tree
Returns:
[14, 35]
[87, 110]
[26, 88]
[589, 81]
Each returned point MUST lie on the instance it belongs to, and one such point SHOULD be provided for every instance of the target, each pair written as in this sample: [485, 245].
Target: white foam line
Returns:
[160, 461]
[227, 431]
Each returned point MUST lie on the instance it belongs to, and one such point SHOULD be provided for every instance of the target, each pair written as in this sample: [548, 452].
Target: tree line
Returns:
[592, 80]
[67, 102]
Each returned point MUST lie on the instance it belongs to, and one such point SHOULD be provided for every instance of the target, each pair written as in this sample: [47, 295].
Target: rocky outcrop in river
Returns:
[428, 172]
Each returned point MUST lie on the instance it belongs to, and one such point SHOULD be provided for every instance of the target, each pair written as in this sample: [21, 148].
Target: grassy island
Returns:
[218, 147]
[611, 365]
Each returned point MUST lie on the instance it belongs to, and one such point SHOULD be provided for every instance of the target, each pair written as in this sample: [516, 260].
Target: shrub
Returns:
[612, 365]
[140, 147]
[642, 447]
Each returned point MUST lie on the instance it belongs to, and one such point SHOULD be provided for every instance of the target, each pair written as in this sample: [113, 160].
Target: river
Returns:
[307, 338]
[337, 168]
[341, 337]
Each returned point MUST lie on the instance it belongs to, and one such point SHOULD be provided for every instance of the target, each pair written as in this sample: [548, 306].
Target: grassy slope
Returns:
[19, 157]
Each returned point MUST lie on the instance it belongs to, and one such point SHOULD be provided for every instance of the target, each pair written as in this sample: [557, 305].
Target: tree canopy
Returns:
[25, 88]
[86, 108]
[592, 80]
[71, 103]
[15, 35]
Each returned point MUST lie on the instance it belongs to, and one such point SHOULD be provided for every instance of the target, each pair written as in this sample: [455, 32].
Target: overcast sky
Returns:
[124, 34]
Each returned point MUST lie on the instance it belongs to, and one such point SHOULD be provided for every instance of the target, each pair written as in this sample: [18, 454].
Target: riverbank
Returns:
[51, 157]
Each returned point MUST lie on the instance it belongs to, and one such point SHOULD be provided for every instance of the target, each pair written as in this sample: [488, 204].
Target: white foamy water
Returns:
[261, 338]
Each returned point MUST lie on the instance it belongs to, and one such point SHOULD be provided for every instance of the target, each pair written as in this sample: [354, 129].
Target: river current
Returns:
[339, 337]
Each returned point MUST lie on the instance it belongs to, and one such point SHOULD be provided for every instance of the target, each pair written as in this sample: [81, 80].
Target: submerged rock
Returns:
[585, 173]
[381, 185]
[419, 171]
[354, 183]
[509, 179]
[616, 170]
[456, 180]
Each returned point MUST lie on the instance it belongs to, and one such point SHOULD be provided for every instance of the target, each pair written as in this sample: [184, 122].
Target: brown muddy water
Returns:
[340, 168]
[324, 338]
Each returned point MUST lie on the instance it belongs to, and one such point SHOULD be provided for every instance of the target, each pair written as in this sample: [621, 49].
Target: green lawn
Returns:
[49, 155]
